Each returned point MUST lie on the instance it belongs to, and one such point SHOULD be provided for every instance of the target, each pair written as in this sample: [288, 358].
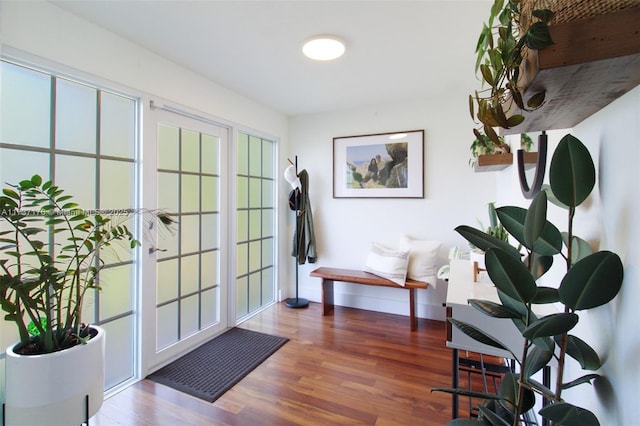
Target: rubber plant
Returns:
[50, 258]
[592, 279]
[503, 44]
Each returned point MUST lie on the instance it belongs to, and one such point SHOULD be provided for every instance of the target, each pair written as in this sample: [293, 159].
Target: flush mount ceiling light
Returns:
[323, 48]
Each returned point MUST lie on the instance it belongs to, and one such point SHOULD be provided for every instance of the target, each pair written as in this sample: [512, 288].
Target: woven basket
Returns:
[573, 10]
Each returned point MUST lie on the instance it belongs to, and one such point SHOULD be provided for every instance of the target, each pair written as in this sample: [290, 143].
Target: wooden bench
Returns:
[329, 275]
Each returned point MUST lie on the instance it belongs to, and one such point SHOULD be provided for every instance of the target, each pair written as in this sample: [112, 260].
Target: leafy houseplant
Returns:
[591, 280]
[503, 44]
[50, 260]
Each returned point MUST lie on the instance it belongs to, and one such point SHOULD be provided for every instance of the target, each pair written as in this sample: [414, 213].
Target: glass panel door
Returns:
[190, 298]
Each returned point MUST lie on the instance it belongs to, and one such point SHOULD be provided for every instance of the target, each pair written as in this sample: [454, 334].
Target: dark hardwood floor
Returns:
[352, 367]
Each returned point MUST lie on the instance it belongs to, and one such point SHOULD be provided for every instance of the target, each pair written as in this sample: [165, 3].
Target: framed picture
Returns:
[384, 165]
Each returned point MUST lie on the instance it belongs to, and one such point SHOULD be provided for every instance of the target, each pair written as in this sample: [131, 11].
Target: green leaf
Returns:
[477, 334]
[535, 219]
[545, 15]
[514, 120]
[513, 219]
[36, 180]
[485, 241]
[509, 391]
[551, 325]
[538, 36]
[486, 74]
[572, 174]
[537, 359]
[493, 417]
[493, 309]
[579, 248]
[538, 265]
[510, 275]
[465, 392]
[579, 350]
[593, 281]
[580, 380]
[563, 413]
[10, 193]
[546, 295]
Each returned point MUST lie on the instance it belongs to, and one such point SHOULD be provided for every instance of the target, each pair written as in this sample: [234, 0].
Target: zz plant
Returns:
[591, 280]
[50, 259]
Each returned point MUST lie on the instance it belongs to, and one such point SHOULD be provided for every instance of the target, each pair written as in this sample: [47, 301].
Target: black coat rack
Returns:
[296, 302]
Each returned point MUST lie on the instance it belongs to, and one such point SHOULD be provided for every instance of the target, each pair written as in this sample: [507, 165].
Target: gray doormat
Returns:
[210, 370]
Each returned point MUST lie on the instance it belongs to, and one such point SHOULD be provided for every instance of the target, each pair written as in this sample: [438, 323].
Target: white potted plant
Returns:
[50, 258]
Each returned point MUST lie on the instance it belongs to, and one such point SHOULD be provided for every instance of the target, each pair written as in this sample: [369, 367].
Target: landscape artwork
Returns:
[384, 165]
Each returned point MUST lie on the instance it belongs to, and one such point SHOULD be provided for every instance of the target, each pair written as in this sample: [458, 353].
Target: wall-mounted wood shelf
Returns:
[593, 62]
[493, 162]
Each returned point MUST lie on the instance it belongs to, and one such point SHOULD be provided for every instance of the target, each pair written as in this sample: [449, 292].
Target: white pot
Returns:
[51, 389]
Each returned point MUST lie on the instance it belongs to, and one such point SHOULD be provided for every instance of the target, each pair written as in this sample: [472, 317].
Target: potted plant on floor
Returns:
[50, 259]
[591, 280]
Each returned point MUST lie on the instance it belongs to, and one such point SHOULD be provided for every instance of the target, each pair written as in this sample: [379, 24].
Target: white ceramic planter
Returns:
[477, 255]
[51, 389]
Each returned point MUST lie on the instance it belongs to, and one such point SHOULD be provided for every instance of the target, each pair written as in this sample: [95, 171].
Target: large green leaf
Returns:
[478, 335]
[572, 174]
[484, 241]
[562, 413]
[593, 281]
[579, 350]
[551, 325]
[579, 247]
[493, 309]
[510, 275]
[546, 295]
[537, 359]
[494, 418]
[509, 392]
[535, 219]
[580, 380]
[513, 219]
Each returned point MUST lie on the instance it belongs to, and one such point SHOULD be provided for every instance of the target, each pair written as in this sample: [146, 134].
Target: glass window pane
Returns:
[255, 291]
[168, 147]
[268, 159]
[189, 315]
[243, 154]
[190, 151]
[267, 193]
[115, 297]
[210, 154]
[254, 224]
[268, 252]
[254, 255]
[18, 165]
[117, 125]
[119, 351]
[168, 241]
[242, 259]
[190, 194]
[242, 294]
[209, 195]
[168, 192]
[25, 106]
[167, 325]
[255, 156]
[243, 192]
[167, 282]
[267, 223]
[242, 225]
[76, 109]
[255, 193]
[209, 269]
[189, 233]
[209, 307]
[116, 184]
[83, 190]
[209, 234]
[268, 287]
[189, 277]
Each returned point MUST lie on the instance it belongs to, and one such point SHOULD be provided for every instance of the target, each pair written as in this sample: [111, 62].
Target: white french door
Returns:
[187, 302]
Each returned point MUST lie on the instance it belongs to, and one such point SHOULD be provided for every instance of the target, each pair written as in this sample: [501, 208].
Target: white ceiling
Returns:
[397, 51]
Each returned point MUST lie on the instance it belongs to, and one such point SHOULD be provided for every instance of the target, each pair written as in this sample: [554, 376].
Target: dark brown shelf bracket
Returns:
[541, 163]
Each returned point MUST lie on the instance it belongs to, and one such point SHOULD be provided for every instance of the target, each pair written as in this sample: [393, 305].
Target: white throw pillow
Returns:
[387, 263]
[423, 259]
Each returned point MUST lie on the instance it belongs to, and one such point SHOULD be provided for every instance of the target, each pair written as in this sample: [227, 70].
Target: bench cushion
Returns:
[387, 263]
[423, 258]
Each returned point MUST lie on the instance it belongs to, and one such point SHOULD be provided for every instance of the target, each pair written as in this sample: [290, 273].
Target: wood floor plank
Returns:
[352, 367]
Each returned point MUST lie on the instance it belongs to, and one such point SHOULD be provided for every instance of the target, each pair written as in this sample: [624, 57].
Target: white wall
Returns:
[345, 227]
[608, 220]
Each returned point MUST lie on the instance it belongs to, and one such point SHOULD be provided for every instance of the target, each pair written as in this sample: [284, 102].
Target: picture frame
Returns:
[381, 165]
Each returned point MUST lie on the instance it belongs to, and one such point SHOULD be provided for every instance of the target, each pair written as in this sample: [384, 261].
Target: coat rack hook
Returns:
[541, 162]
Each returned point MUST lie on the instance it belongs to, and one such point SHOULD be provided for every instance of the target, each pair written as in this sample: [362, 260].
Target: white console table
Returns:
[461, 288]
